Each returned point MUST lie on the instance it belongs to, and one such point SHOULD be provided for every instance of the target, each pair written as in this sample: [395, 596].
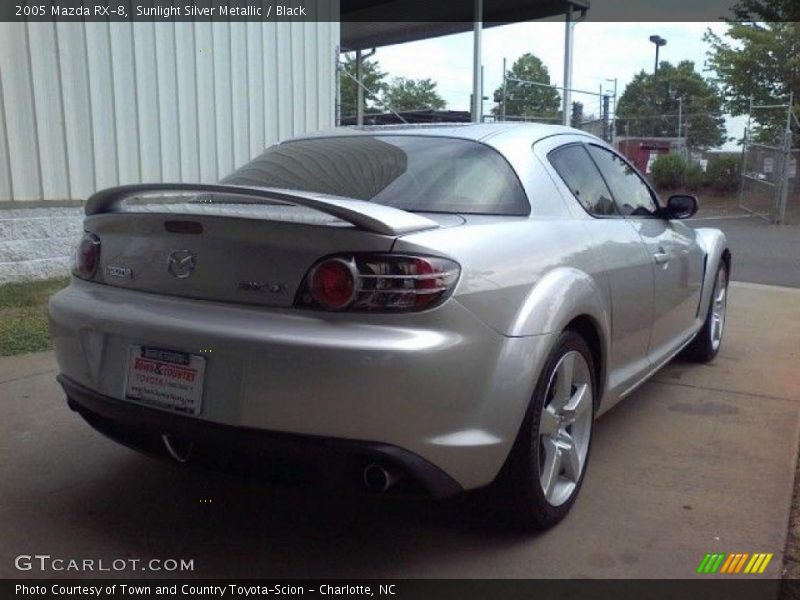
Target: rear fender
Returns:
[557, 298]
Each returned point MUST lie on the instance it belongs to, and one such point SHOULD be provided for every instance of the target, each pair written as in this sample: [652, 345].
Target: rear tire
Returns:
[546, 466]
[706, 344]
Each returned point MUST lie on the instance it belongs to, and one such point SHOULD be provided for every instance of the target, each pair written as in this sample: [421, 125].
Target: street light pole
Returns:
[658, 41]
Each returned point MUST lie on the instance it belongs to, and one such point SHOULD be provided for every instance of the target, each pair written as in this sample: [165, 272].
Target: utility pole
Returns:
[482, 96]
[614, 120]
[600, 104]
[359, 90]
[607, 130]
[337, 106]
[360, 58]
[505, 83]
[787, 158]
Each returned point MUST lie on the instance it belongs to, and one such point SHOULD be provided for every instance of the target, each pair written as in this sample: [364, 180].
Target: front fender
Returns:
[715, 245]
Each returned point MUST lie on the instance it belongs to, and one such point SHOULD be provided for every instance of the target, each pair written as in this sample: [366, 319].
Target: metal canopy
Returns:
[374, 23]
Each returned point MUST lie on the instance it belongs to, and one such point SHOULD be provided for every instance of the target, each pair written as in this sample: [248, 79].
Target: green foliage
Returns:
[577, 117]
[524, 100]
[759, 57]
[413, 94]
[693, 177]
[649, 106]
[372, 77]
[723, 173]
[668, 171]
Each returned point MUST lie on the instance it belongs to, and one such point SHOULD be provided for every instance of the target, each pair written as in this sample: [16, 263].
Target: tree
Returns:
[413, 94]
[650, 105]
[523, 99]
[372, 77]
[759, 57]
[577, 114]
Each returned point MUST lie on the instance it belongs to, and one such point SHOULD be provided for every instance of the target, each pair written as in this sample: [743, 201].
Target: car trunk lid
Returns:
[233, 244]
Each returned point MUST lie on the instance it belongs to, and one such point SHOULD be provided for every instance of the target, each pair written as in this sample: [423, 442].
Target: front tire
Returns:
[545, 469]
[706, 344]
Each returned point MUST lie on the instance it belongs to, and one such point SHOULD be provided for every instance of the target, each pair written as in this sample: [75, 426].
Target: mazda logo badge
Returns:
[181, 263]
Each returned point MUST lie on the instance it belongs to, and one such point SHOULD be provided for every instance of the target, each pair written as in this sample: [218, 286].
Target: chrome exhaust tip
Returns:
[378, 478]
[180, 451]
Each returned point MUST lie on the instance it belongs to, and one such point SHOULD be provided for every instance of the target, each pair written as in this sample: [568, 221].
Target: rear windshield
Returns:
[418, 174]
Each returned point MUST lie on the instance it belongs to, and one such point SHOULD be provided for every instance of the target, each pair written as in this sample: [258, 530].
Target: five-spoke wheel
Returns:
[565, 427]
[547, 464]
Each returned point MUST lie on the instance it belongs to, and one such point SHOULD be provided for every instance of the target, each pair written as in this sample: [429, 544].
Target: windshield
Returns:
[413, 173]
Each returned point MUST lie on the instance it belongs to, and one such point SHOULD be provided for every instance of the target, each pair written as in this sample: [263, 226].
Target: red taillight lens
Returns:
[333, 284]
[87, 256]
[379, 283]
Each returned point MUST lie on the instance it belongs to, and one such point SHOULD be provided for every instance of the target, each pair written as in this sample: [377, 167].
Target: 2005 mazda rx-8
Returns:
[449, 306]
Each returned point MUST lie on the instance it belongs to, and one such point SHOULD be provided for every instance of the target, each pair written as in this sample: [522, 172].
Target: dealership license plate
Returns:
[166, 379]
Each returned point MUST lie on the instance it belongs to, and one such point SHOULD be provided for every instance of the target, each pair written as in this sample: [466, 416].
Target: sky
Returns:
[602, 51]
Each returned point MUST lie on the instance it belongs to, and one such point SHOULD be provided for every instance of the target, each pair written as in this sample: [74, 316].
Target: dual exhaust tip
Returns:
[377, 478]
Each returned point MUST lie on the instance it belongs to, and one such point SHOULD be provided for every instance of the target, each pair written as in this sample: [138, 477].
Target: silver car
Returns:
[441, 307]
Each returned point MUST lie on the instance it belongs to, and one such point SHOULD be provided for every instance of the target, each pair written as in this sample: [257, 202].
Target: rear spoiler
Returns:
[369, 216]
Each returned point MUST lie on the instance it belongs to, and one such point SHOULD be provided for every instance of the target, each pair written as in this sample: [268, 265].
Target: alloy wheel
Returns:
[718, 308]
[565, 428]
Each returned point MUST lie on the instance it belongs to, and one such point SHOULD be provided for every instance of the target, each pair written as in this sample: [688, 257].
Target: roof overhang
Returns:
[374, 23]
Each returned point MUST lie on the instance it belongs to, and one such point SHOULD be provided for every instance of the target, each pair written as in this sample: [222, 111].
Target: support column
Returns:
[567, 99]
[477, 84]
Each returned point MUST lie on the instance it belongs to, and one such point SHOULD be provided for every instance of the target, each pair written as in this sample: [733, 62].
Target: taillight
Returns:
[378, 283]
[333, 284]
[87, 257]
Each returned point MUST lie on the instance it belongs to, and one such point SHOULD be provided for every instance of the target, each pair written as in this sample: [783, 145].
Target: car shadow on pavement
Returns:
[234, 526]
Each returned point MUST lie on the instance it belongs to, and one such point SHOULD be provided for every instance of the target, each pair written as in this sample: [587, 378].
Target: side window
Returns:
[581, 176]
[632, 195]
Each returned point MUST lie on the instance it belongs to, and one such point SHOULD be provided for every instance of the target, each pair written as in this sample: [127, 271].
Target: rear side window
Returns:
[581, 176]
[413, 173]
[633, 196]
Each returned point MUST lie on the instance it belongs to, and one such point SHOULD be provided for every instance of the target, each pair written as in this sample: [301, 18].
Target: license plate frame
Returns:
[170, 380]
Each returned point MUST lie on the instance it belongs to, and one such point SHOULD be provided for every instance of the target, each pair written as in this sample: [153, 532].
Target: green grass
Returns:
[23, 315]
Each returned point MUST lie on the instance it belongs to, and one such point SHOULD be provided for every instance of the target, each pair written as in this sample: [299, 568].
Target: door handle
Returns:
[661, 257]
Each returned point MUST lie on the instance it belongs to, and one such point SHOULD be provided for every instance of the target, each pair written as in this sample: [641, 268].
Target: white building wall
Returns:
[87, 105]
[84, 106]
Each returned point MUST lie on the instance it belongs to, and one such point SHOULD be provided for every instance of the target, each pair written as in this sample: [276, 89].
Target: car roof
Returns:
[467, 131]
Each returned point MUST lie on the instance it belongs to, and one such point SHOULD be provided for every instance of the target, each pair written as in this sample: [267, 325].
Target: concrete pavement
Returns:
[700, 459]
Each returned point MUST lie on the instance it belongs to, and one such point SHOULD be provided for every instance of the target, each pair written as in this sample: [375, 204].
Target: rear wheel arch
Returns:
[585, 326]
[520, 494]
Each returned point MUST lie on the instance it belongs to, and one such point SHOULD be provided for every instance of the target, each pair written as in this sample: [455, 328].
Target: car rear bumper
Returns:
[439, 385]
[142, 428]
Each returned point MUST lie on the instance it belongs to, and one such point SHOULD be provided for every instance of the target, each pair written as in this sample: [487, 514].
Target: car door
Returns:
[676, 260]
[623, 264]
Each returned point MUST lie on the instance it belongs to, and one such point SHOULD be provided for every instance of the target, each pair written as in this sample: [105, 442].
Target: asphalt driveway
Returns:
[700, 459]
[762, 253]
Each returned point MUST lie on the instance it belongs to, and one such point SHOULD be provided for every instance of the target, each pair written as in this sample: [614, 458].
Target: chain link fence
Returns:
[770, 186]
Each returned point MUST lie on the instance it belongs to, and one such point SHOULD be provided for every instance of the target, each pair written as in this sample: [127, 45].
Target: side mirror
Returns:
[680, 206]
